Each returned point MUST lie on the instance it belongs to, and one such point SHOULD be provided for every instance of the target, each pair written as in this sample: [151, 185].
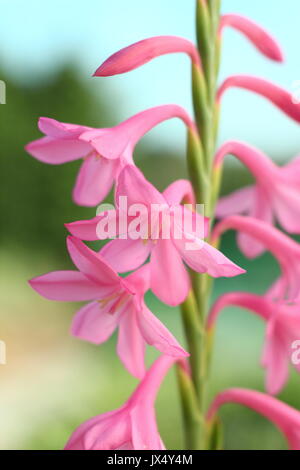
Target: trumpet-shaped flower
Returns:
[131, 427]
[144, 51]
[284, 249]
[261, 39]
[104, 151]
[116, 303]
[276, 193]
[283, 416]
[168, 249]
[282, 331]
[273, 93]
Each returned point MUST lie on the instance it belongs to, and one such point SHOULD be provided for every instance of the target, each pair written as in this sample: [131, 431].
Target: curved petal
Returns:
[238, 202]
[286, 202]
[275, 360]
[120, 141]
[262, 210]
[144, 51]
[286, 418]
[204, 258]
[57, 151]
[180, 191]
[133, 185]
[169, 278]
[261, 39]
[276, 95]
[139, 280]
[84, 229]
[57, 129]
[94, 181]
[131, 344]
[104, 432]
[157, 335]
[125, 255]
[93, 323]
[88, 229]
[93, 266]
[145, 434]
[65, 286]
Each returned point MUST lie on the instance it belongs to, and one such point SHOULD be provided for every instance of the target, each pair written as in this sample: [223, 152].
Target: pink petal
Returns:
[262, 210]
[275, 360]
[94, 181]
[286, 202]
[77, 440]
[169, 278]
[157, 335]
[140, 53]
[57, 151]
[125, 255]
[145, 434]
[94, 323]
[139, 280]
[131, 345]
[259, 164]
[181, 191]
[204, 258]
[238, 202]
[93, 266]
[66, 286]
[85, 229]
[57, 129]
[119, 142]
[278, 96]
[286, 418]
[255, 33]
[133, 184]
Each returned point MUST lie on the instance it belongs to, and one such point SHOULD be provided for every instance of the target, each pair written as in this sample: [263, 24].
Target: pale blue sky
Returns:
[37, 36]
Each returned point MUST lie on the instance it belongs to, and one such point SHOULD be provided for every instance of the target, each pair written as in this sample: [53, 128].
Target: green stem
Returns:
[193, 422]
[206, 187]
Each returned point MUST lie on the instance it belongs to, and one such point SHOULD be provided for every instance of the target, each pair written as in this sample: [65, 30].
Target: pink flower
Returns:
[264, 42]
[117, 303]
[276, 95]
[284, 249]
[131, 427]
[105, 151]
[141, 52]
[276, 193]
[169, 278]
[283, 329]
[285, 418]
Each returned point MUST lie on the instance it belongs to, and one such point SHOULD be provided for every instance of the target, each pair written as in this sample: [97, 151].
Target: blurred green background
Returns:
[52, 382]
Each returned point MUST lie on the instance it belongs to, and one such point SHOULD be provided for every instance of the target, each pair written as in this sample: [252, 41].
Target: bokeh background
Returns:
[48, 52]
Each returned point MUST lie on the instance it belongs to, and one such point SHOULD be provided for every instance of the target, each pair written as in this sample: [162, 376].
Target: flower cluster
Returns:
[153, 261]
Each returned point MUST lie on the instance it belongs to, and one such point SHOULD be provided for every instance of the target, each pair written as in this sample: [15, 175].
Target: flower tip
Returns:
[105, 69]
[98, 73]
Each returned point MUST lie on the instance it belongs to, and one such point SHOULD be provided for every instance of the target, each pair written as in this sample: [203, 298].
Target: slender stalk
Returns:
[193, 421]
[206, 187]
